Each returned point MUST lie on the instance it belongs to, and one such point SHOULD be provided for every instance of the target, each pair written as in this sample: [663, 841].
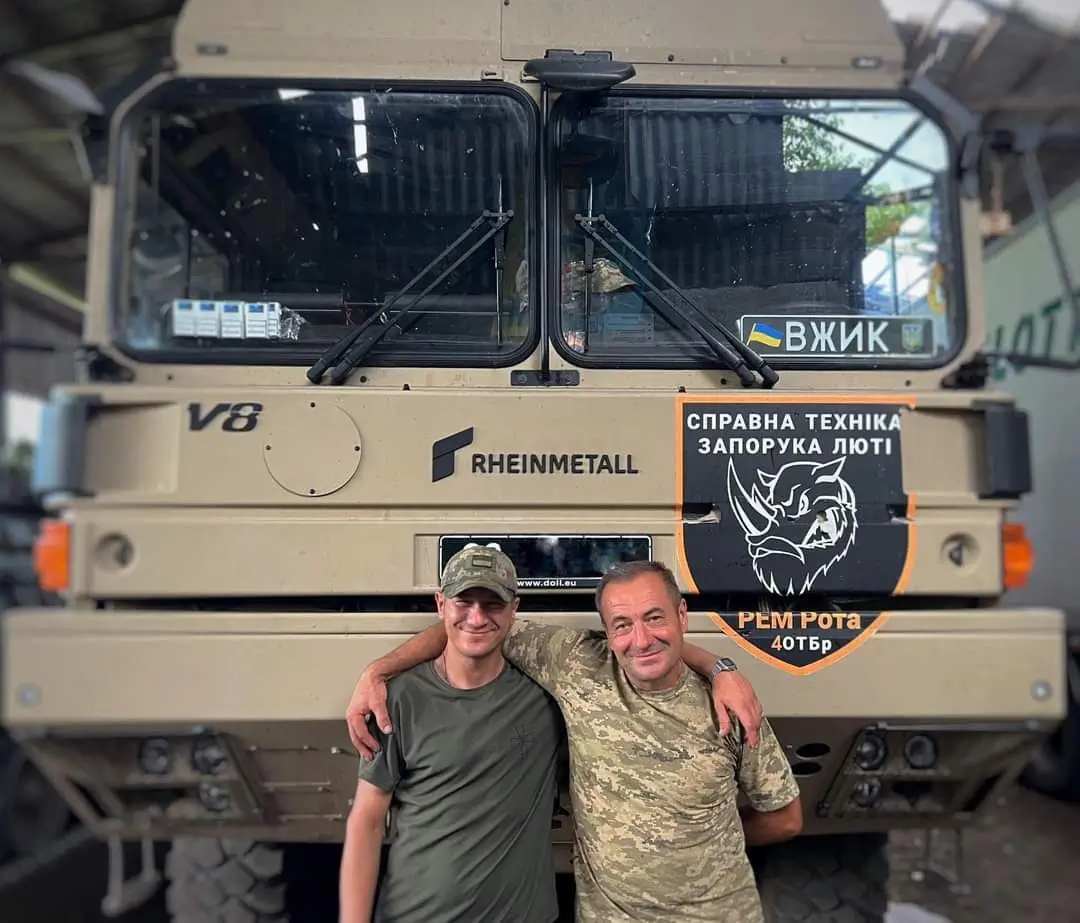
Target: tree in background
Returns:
[20, 456]
[16, 467]
[813, 146]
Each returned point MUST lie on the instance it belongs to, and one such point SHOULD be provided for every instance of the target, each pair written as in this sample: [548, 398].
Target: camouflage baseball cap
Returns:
[480, 566]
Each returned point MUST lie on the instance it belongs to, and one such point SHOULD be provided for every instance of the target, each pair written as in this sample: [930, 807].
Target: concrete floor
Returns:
[1022, 861]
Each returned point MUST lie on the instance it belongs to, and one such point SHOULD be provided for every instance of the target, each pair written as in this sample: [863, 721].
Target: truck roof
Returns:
[462, 38]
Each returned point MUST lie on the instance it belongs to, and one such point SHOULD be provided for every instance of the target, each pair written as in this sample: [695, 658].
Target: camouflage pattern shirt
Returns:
[653, 786]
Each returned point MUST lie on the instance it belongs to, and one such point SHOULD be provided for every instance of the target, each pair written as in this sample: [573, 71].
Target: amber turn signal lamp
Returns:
[1017, 556]
[52, 556]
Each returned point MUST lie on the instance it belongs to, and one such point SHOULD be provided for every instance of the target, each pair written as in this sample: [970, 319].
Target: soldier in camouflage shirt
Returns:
[654, 783]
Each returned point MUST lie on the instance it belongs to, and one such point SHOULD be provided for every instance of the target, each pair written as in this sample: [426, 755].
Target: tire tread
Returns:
[230, 881]
[826, 879]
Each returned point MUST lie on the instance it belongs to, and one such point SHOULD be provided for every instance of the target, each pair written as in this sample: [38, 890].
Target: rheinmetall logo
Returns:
[552, 463]
[443, 453]
[444, 460]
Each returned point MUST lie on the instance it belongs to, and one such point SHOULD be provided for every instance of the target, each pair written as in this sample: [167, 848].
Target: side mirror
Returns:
[568, 72]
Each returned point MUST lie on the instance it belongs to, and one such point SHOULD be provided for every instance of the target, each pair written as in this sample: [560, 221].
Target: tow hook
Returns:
[125, 895]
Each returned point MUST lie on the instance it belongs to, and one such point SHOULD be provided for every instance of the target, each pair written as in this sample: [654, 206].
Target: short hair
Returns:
[628, 570]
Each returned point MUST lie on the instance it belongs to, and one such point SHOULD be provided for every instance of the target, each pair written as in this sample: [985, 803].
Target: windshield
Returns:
[820, 230]
[267, 224]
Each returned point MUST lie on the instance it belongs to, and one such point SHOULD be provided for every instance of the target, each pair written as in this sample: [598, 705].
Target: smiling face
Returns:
[476, 620]
[477, 601]
[645, 620]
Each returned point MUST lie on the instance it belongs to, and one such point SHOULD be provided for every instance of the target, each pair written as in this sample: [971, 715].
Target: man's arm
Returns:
[731, 690]
[369, 694]
[360, 854]
[765, 777]
[375, 784]
[763, 827]
[542, 651]
[420, 648]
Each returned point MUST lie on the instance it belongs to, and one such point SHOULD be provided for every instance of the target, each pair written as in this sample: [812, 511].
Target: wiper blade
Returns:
[737, 356]
[348, 352]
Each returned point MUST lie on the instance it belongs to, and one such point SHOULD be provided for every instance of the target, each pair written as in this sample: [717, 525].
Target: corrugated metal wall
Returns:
[708, 197]
[27, 318]
[425, 154]
[714, 206]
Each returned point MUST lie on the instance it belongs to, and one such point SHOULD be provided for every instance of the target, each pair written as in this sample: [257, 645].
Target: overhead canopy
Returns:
[44, 199]
[1017, 68]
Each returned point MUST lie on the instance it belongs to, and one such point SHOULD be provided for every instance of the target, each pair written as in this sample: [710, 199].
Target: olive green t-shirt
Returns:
[653, 785]
[473, 772]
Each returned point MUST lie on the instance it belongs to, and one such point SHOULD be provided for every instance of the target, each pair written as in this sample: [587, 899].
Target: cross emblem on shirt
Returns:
[523, 738]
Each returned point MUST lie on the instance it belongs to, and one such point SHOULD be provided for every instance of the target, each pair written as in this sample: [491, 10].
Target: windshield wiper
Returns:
[350, 350]
[736, 355]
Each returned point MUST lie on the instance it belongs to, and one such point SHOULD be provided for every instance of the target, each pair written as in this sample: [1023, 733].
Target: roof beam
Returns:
[33, 101]
[32, 278]
[1018, 103]
[27, 251]
[77, 43]
[986, 35]
[79, 200]
[35, 134]
[13, 251]
[32, 24]
[929, 28]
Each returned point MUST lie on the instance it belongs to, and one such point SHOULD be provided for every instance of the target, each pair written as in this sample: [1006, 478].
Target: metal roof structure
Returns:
[1020, 75]
[44, 195]
[1017, 71]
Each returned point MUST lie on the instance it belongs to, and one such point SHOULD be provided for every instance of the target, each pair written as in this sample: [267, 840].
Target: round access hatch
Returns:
[311, 449]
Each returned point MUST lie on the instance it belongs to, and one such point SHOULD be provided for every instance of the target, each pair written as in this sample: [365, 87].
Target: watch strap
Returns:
[723, 665]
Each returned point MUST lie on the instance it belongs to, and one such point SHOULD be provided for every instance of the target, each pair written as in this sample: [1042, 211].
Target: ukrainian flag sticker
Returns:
[766, 335]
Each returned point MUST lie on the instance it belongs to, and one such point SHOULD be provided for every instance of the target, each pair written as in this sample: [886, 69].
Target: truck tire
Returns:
[225, 881]
[1054, 769]
[825, 879]
[32, 813]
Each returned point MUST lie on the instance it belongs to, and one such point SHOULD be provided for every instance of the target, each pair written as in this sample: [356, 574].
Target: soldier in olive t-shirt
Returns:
[473, 772]
[653, 785]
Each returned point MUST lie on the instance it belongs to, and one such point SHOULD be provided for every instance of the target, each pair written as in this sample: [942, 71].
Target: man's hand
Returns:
[733, 690]
[368, 698]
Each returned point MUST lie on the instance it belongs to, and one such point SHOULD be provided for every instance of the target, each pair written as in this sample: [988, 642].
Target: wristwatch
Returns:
[723, 665]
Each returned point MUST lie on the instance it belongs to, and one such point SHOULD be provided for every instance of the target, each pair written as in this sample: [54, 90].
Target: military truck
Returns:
[698, 282]
[32, 813]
